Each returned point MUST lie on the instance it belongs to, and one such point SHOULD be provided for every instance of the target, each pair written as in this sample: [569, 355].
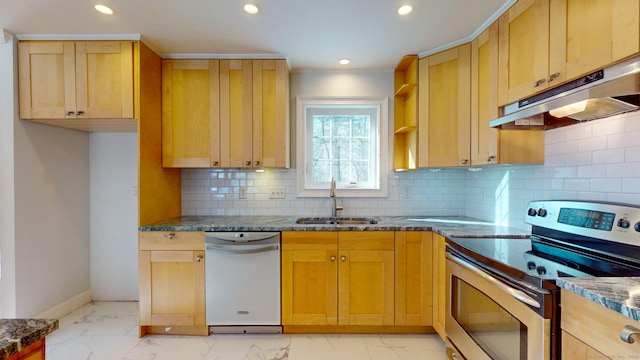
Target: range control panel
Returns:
[603, 220]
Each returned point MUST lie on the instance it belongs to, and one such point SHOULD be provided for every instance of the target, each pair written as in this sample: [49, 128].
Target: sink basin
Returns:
[336, 221]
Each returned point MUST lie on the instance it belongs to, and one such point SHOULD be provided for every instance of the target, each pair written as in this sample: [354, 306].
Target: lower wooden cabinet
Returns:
[35, 351]
[413, 278]
[172, 283]
[361, 281]
[592, 331]
[439, 285]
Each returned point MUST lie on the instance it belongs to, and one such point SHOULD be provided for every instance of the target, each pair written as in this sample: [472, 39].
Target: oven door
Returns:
[487, 318]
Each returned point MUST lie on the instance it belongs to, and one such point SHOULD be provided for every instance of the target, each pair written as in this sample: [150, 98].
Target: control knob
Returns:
[531, 265]
[623, 223]
[532, 212]
[541, 270]
[542, 212]
[636, 227]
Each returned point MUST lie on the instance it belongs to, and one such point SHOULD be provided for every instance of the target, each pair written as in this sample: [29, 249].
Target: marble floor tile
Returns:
[109, 331]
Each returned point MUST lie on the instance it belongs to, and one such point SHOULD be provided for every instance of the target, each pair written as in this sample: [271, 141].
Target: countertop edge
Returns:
[18, 334]
[619, 294]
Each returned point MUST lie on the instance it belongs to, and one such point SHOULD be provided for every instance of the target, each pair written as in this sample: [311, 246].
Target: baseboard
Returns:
[66, 307]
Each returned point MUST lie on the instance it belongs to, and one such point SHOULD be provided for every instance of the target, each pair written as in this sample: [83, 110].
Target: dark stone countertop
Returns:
[620, 294]
[444, 225]
[17, 334]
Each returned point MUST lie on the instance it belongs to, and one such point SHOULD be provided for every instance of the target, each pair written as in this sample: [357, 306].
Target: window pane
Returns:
[341, 126]
[361, 125]
[321, 171]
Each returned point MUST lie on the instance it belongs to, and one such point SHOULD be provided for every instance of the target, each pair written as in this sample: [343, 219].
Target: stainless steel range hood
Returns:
[604, 93]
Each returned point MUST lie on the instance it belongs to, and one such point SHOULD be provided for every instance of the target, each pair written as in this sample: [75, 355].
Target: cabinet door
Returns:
[413, 278]
[171, 288]
[574, 349]
[309, 278]
[588, 35]
[445, 101]
[46, 79]
[484, 97]
[270, 114]
[524, 50]
[366, 278]
[104, 79]
[236, 113]
[439, 285]
[190, 117]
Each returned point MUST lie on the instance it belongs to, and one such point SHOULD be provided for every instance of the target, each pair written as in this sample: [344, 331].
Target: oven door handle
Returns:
[235, 249]
[515, 293]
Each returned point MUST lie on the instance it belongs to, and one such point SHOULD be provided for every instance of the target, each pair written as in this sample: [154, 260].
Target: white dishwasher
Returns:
[243, 282]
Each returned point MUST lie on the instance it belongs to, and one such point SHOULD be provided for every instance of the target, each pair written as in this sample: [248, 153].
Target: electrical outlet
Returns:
[243, 192]
[276, 193]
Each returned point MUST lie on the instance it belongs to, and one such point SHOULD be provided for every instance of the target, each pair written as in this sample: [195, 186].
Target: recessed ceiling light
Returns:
[345, 61]
[405, 9]
[251, 8]
[104, 9]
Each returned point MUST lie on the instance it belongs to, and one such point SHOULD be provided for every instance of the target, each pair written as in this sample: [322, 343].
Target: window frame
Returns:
[305, 136]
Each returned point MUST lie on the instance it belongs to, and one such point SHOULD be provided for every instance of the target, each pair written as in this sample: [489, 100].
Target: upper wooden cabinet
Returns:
[254, 113]
[190, 116]
[226, 113]
[544, 43]
[444, 92]
[493, 146]
[76, 80]
[405, 117]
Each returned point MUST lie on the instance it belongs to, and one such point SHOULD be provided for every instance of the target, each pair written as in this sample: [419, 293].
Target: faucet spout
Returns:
[332, 193]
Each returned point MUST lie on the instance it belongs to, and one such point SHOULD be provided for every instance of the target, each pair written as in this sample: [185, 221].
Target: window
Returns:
[344, 139]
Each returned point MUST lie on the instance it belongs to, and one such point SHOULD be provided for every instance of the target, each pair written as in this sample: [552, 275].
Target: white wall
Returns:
[46, 249]
[114, 216]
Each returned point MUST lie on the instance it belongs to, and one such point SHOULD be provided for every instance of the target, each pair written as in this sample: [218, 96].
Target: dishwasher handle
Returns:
[235, 249]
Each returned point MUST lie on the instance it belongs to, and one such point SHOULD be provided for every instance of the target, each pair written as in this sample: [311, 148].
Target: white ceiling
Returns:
[311, 34]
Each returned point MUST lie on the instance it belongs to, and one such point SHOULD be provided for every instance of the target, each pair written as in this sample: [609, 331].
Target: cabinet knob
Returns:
[491, 158]
[539, 82]
[333, 258]
[343, 258]
[464, 161]
[214, 163]
[170, 236]
[198, 258]
[247, 163]
[627, 331]
[80, 113]
[69, 113]
[552, 77]
[256, 163]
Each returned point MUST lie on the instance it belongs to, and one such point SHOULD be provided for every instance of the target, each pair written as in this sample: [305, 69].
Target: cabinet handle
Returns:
[256, 163]
[552, 77]
[491, 158]
[333, 258]
[80, 113]
[171, 236]
[464, 161]
[343, 258]
[627, 331]
[539, 82]
[69, 113]
[214, 163]
[198, 258]
[247, 163]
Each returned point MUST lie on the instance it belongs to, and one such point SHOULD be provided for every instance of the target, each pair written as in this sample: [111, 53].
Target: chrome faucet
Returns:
[332, 194]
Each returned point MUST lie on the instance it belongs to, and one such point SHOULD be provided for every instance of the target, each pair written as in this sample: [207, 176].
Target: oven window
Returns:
[495, 330]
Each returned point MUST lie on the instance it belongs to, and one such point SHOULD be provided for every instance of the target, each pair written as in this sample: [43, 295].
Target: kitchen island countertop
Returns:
[620, 294]
[445, 225]
[17, 334]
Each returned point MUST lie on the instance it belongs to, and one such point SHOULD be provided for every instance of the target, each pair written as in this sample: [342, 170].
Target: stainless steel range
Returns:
[503, 302]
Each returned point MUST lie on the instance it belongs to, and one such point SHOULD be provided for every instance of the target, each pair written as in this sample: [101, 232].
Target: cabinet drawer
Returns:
[309, 240]
[367, 240]
[171, 240]
[597, 326]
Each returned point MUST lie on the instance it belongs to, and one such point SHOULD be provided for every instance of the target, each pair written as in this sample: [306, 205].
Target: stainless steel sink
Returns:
[335, 221]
